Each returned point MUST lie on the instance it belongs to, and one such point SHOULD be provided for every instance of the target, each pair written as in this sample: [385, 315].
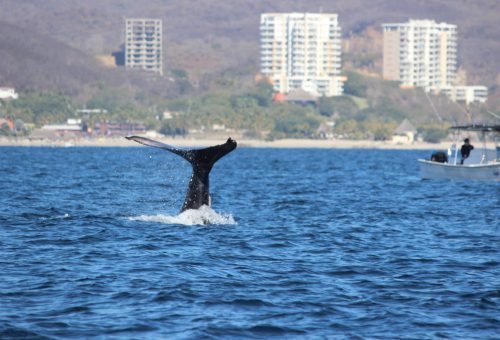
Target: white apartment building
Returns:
[302, 51]
[468, 94]
[8, 93]
[420, 53]
[143, 44]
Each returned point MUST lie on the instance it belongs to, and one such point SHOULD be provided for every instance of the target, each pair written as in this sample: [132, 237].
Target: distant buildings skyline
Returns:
[423, 53]
[144, 44]
[302, 51]
[420, 53]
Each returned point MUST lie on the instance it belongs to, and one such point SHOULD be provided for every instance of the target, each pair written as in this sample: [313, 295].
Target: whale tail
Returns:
[202, 161]
[201, 158]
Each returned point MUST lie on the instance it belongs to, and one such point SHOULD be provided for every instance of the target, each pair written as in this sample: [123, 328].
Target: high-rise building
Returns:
[302, 51]
[421, 53]
[143, 44]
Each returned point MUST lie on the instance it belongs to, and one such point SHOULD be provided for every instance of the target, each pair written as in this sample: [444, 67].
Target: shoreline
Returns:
[245, 143]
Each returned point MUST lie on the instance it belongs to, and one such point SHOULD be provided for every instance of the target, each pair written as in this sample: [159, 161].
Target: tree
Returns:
[5, 130]
[345, 106]
[44, 107]
[263, 93]
[355, 85]
[296, 121]
[180, 73]
[173, 128]
[19, 127]
[382, 133]
[108, 99]
[349, 129]
[434, 134]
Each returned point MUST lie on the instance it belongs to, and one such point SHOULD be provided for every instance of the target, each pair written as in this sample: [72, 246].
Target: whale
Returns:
[201, 160]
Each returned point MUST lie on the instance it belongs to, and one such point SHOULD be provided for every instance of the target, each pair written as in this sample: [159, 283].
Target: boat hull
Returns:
[481, 172]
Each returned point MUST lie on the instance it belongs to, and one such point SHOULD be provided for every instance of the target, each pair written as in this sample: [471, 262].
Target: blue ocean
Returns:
[301, 244]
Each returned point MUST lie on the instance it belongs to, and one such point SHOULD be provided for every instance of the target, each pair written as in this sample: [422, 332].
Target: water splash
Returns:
[57, 217]
[203, 215]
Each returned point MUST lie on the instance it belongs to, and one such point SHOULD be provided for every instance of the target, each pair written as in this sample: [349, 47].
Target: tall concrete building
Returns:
[420, 53]
[143, 44]
[302, 51]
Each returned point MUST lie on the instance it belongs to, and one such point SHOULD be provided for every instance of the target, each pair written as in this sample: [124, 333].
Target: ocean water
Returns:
[303, 243]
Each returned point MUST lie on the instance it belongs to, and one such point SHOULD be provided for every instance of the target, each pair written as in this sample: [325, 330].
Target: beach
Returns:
[251, 143]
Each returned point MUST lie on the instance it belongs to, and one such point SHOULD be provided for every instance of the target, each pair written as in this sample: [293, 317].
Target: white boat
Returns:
[482, 163]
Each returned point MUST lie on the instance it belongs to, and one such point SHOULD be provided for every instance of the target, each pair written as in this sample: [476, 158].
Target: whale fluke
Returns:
[201, 160]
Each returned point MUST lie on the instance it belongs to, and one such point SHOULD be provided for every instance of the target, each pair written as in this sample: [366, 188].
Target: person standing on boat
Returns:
[466, 149]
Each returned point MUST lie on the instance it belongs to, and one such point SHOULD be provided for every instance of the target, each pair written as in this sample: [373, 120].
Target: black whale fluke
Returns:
[202, 161]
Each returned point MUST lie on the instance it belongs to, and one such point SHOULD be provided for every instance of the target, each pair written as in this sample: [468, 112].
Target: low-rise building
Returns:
[8, 93]
[468, 94]
[118, 129]
[301, 96]
[72, 129]
[405, 133]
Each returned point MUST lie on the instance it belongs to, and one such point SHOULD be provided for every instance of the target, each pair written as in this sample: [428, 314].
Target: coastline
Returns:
[250, 143]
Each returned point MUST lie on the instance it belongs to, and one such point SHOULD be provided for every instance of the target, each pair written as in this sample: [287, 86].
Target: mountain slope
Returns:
[225, 33]
[33, 61]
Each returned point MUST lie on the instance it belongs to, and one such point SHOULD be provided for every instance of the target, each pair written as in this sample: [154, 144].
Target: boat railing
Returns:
[453, 151]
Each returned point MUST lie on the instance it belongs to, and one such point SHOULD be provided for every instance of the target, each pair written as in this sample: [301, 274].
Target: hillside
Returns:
[30, 60]
[206, 36]
[33, 61]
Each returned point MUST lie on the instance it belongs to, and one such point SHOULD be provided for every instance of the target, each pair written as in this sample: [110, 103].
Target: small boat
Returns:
[482, 163]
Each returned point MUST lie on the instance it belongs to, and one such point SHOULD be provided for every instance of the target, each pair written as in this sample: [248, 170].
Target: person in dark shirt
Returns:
[466, 149]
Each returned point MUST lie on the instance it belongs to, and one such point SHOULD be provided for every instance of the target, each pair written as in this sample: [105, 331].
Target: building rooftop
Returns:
[300, 95]
[405, 127]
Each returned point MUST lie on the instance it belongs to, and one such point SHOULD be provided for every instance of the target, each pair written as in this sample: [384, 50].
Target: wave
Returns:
[203, 215]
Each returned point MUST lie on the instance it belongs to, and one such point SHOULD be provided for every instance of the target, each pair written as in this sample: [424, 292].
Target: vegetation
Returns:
[41, 108]
[433, 133]
[204, 37]
[334, 106]
[210, 68]
[372, 110]
[5, 130]
[355, 86]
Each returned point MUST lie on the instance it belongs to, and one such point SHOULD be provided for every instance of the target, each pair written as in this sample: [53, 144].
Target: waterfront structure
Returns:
[119, 129]
[302, 51]
[143, 44]
[467, 94]
[420, 53]
[404, 133]
[73, 128]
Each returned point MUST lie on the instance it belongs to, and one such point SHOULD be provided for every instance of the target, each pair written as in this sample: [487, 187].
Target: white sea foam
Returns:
[203, 215]
[57, 217]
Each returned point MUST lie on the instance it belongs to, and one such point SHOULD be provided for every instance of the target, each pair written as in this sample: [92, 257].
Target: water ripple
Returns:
[341, 245]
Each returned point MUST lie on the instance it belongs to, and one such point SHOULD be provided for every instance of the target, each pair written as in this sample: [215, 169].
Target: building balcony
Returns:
[266, 40]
